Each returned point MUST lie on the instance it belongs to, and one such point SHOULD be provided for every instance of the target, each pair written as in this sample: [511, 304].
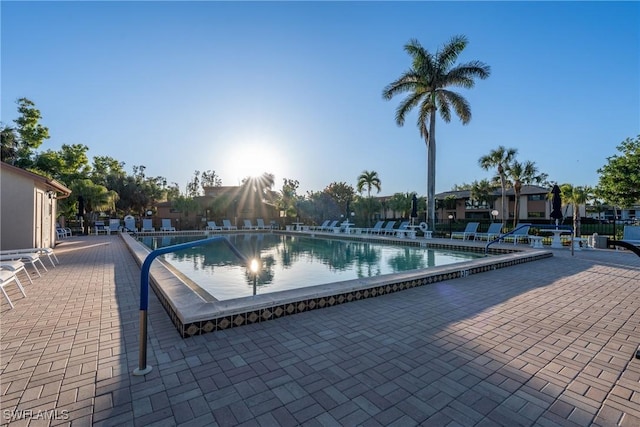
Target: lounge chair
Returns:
[99, 227]
[261, 225]
[43, 251]
[114, 225]
[378, 225]
[521, 233]
[7, 277]
[26, 257]
[147, 225]
[320, 227]
[387, 229]
[226, 224]
[331, 227]
[130, 224]
[166, 225]
[470, 230]
[631, 234]
[16, 267]
[63, 232]
[247, 225]
[494, 231]
[211, 225]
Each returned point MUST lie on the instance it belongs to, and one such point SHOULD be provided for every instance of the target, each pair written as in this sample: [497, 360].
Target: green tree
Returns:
[427, 83]
[31, 134]
[482, 192]
[369, 180]
[210, 179]
[9, 144]
[575, 196]
[521, 174]
[500, 158]
[619, 183]
[401, 202]
[342, 193]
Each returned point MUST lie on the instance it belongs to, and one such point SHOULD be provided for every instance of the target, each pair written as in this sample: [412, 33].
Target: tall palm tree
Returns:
[576, 196]
[482, 192]
[369, 180]
[426, 83]
[500, 158]
[521, 174]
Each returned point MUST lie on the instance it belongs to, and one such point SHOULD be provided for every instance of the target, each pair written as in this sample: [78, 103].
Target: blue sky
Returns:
[294, 88]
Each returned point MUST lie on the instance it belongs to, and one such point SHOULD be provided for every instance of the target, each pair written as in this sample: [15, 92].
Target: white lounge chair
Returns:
[247, 225]
[147, 225]
[522, 233]
[7, 277]
[377, 226]
[211, 225]
[631, 234]
[166, 225]
[320, 227]
[494, 231]
[28, 258]
[114, 225]
[130, 224]
[387, 229]
[470, 230]
[43, 251]
[99, 227]
[226, 224]
[261, 225]
[16, 267]
[63, 232]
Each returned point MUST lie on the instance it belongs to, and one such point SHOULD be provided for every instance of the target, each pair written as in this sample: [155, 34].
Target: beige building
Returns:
[28, 208]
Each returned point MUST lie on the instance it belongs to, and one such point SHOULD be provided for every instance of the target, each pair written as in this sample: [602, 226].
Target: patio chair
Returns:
[631, 234]
[130, 224]
[387, 229]
[147, 225]
[7, 277]
[99, 227]
[495, 229]
[470, 230]
[261, 225]
[378, 225]
[166, 225]
[63, 232]
[114, 225]
[226, 224]
[247, 225]
[320, 227]
[43, 251]
[521, 233]
[332, 225]
[211, 225]
[16, 267]
[26, 257]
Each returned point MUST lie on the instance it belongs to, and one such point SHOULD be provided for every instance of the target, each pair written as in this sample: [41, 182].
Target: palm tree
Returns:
[369, 180]
[500, 158]
[482, 192]
[576, 196]
[426, 83]
[522, 174]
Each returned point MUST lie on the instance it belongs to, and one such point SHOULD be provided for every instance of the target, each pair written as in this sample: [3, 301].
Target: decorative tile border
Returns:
[248, 314]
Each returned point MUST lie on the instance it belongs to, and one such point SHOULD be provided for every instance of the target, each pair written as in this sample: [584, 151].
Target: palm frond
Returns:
[459, 104]
[405, 106]
[450, 51]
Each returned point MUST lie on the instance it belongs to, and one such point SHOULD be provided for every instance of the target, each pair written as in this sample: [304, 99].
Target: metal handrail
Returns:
[143, 368]
[502, 236]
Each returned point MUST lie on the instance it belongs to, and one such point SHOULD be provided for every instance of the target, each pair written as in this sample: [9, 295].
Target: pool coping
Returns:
[192, 314]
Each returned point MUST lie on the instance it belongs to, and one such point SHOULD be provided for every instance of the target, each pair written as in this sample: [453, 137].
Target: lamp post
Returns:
[494, 215]
[450, 220]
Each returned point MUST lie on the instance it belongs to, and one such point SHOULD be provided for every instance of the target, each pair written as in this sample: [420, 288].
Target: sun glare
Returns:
[254, 160]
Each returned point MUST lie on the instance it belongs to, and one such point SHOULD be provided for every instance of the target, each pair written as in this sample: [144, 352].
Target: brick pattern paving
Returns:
[544, 343]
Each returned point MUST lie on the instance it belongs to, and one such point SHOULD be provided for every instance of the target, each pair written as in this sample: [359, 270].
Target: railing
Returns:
[502, 236]
[143, 368]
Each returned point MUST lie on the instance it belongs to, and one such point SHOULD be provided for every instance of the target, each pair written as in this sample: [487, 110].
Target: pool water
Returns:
[292, 262]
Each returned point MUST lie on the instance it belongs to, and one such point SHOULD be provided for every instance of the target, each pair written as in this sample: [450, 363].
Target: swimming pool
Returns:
[193, 311]
[291, 261]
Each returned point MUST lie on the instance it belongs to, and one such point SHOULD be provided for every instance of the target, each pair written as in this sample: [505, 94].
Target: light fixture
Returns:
[51, 194]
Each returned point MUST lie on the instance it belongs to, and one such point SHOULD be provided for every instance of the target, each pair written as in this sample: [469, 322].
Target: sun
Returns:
[253, 160]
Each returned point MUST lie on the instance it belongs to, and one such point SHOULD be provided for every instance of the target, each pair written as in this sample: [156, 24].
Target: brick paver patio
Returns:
[545, 343]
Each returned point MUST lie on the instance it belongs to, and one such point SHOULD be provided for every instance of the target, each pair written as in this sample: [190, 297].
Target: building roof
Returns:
[51, 184]
[525, 191]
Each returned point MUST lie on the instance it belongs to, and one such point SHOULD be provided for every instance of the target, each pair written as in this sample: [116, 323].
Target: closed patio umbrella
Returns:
[556, 204]
[414, 208]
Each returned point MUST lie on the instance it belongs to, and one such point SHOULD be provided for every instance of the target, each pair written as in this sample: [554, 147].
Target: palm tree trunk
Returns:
[431, 172]
[503, 186]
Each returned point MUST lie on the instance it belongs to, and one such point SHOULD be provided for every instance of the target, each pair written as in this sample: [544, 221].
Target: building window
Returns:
[536, 197]
[536, 214]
